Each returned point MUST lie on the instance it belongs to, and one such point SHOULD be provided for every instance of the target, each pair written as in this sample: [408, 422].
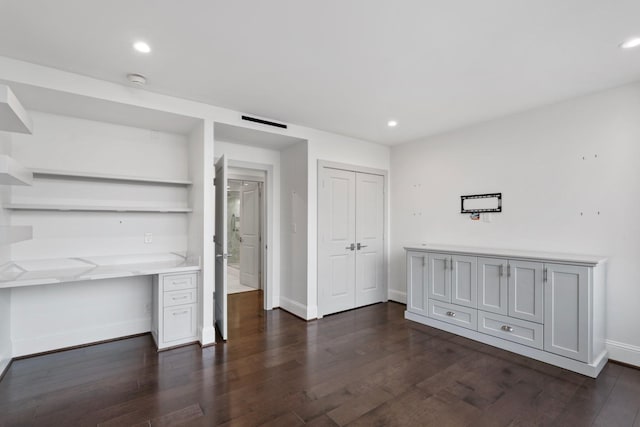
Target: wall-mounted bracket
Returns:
[478, 203]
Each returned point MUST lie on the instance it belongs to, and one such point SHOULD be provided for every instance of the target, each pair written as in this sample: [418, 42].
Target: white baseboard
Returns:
[294, 307]
[625, 353]
[312, 312]
[5, 360]
[207, 335]
[39, 344]
[398, 296]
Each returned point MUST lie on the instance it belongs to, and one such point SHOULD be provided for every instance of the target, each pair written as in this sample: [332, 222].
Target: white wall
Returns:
[71, 144]
[269, 160]
[551, 195]
[200, 224]
[6, 348]
[44, 318]
[335, 148]
[293, 225]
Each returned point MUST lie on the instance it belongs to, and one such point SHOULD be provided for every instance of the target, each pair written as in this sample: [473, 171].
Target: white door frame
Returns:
[322, 164]
[267, 218]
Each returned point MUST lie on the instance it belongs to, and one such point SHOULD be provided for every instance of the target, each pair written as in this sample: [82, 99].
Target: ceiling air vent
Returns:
[264, 122]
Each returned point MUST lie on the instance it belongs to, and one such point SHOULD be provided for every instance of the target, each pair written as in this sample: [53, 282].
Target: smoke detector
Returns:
[137, 79]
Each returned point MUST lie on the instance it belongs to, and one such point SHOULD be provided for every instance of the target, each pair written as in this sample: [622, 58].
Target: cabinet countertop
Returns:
[587, 260]
[51, 271]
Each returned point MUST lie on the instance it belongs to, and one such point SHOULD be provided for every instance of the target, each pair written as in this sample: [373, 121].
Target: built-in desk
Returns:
[59, 303]
[64, 270]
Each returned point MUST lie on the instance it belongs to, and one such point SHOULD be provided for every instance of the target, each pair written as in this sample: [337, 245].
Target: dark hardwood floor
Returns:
[366, 367]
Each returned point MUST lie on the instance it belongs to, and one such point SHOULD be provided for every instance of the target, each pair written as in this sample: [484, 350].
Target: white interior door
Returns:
[250, 234]
[337, 254]
[221, 247]
[369, 239]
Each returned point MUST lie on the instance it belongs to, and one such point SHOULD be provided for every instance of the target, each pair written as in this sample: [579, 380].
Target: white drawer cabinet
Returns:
[454, 314]
[175, 309]
[452, 278]
[566, 322]
[417, 281]
[508, 328]
[546, 306]
[511, 287]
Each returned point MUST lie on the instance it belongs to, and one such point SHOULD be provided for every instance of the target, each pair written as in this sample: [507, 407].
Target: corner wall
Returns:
[293, 226]
[570, 182]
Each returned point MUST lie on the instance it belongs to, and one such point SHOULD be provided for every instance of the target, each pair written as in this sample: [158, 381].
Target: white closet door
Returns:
[369, 239]
[221, 247]
[337, 255]
[250, 234]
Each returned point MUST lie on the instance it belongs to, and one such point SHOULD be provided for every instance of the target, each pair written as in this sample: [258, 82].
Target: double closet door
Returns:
[351, 270]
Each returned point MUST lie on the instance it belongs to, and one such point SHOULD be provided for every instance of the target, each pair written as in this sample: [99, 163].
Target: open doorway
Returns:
[244, 235]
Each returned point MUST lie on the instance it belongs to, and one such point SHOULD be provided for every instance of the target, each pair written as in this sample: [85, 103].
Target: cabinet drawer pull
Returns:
[451, 314]
[507, 328]
[179, 282]
[178, 298]
[178, 313]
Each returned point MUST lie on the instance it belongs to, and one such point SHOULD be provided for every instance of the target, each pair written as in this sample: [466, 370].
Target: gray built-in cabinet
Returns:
[546, 306]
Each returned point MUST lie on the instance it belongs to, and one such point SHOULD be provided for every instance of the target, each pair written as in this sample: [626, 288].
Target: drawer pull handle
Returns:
[507, 328]
[451, 314]
[180, 282]
[178, 313]
[177, 298]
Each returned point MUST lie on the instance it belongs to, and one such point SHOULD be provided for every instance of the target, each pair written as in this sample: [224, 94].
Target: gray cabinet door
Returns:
[566, 317]
[464, 288]
[526, 290]
[417, 282]
[492, 285]
[439, 277]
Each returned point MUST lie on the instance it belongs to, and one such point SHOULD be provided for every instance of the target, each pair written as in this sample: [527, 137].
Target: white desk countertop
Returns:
[50, 271]
[588, 260]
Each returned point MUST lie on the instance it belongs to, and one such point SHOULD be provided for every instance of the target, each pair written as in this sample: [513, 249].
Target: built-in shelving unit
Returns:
[93, 208]
[50, 173]
[13, 116]
[12, 234]
[13, 173]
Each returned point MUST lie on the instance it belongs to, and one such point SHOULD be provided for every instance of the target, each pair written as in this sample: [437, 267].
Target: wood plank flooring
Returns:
[366, 367]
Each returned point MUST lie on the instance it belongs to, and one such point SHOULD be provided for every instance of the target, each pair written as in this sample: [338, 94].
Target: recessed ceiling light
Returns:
[392, 123]
[631, 43]
[142, 47]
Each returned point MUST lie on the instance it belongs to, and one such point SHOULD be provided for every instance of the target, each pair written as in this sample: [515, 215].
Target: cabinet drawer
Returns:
[516, 330]
[179, 281]
[179, 323]
[454, 314]
[187, 296]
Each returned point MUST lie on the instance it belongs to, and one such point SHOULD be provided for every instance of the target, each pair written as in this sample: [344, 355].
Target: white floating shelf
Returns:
[16, 233]
[13, 116]
[93, 208]
[13, 173]
[107, 177]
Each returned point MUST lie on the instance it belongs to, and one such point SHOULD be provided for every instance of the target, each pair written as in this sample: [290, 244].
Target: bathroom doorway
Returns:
[244, 235]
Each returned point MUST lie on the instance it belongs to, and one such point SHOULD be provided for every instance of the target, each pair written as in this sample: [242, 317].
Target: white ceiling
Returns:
[341, 66]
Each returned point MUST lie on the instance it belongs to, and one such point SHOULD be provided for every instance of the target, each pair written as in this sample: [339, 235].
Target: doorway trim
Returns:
[327, 164]
[267, 218]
